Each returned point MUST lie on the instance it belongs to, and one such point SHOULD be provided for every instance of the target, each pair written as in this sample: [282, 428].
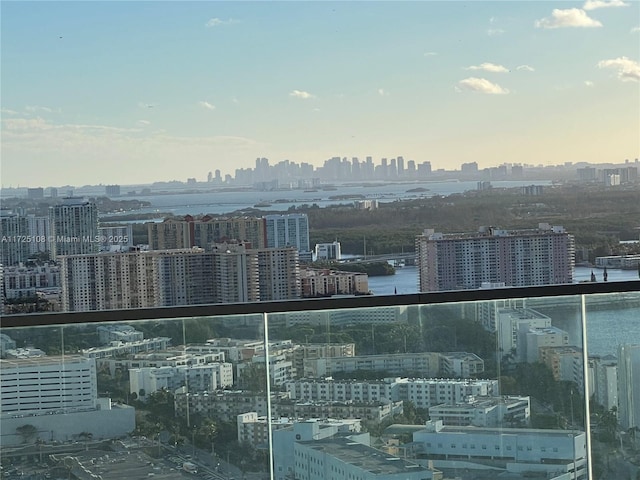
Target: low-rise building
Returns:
[424, 393]
[118, 333]
[223, 405]
[532, 339]
[558, 453]
[21, 281]
[195, 378]
[326, 282]
[335, 450]
[374, 411]
[503, 411]
[565, 363]
[417, 364]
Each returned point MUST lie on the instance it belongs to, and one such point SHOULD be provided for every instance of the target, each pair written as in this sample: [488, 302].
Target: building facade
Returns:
[74, 227]
[204, 231]
[14, 232]
[544, 256]
[326, 282]
[290, 230]
[629, 386]
[552, 453]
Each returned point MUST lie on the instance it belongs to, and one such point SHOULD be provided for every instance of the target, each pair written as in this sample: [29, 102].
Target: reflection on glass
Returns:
[613, 329]
[86, 397]
[465, 390]
[468, 390]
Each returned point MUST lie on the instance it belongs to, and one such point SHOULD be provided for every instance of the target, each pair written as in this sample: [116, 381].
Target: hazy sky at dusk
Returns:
[133, 92]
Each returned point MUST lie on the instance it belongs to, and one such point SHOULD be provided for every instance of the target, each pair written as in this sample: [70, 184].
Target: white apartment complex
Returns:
[544, 256]
[20, 281]
[424, 393]
[503, 411]
[426, 364]
[195, 378]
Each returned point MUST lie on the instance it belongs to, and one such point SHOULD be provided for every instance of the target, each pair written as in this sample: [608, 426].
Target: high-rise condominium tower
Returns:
[74, 227]
[543, 256]
[291, 230]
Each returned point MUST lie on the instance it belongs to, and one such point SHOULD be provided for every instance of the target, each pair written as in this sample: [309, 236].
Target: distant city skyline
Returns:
[125, 93]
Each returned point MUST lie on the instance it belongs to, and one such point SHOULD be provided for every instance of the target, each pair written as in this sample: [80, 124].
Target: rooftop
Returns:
[364, 457]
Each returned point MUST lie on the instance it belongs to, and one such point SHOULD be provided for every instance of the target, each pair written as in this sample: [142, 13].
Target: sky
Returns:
[135, 92]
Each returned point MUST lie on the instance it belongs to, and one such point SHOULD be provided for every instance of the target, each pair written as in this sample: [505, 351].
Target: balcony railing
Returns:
[539, 382]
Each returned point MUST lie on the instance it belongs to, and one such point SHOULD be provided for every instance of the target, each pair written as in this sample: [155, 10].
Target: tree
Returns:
[253, 377]
[28, 432]
[608, 421]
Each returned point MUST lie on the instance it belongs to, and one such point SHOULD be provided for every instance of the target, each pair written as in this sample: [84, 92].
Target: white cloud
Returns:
[594, 4]
[481, 85]
[588, 83]
[29, 143]
[635, 30]
[21, 124]
[430, 54]
[143, 123]
[37, 108]
[215, 22]
[147, 105]
[494, 32]
[571, 17]
[489, 67]
[301, 94]
[381, 92]
[34, 133]
[526, 68]
[628, 70]
[6, 111]
[207, 105]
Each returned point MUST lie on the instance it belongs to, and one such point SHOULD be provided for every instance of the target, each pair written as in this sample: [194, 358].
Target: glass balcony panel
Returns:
[163, 395]
[613, 331]
[451, 390]
[467, 389]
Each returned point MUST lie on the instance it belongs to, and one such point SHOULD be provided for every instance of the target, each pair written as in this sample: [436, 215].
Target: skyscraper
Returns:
[279, 273]
[229, 273]
[14, 233]
[156, 278]
[74, 227]
[291, 230]
[202, 232]
[543, 256]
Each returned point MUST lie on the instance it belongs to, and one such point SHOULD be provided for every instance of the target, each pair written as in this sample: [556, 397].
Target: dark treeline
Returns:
[597, 217]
